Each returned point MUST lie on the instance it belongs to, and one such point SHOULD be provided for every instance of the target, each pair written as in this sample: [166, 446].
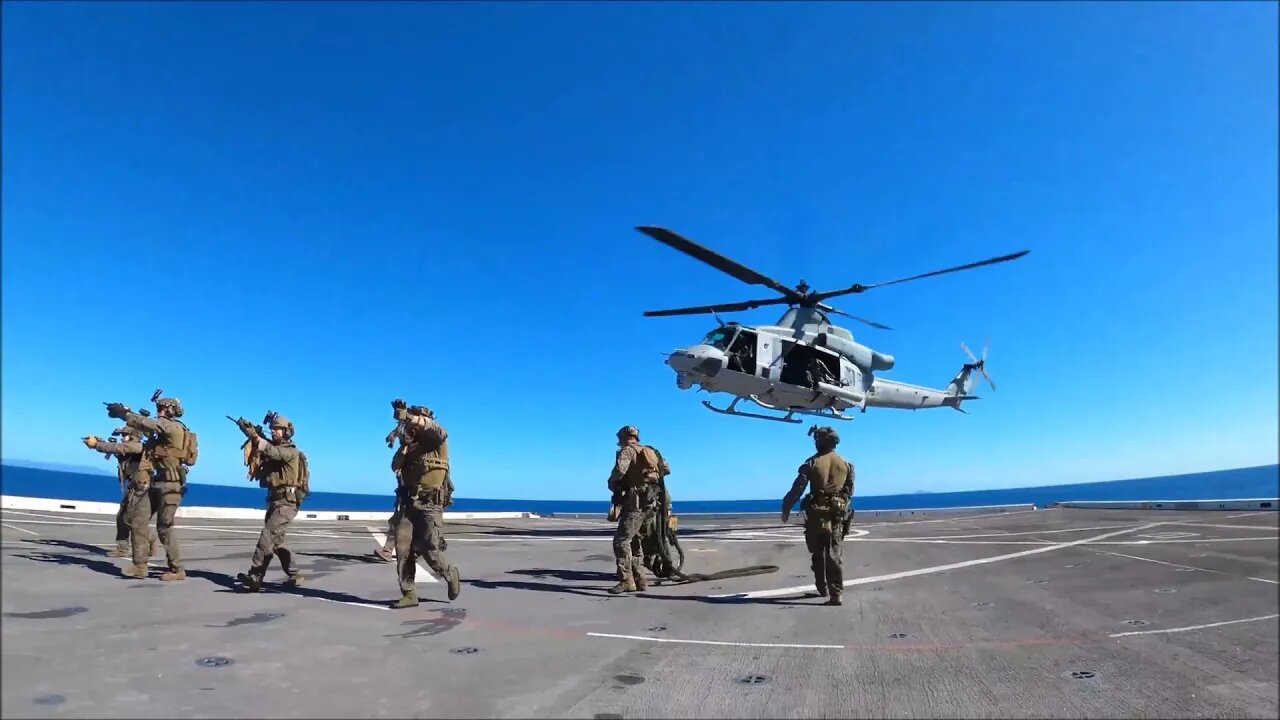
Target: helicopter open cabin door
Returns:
[805, 365]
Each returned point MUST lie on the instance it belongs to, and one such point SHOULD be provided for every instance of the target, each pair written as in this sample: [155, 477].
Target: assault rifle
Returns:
[124, 409]
[399, 429]
[249, 448]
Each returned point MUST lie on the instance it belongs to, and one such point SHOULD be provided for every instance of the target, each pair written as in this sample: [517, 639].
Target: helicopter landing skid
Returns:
[820, 412]
[731, 410]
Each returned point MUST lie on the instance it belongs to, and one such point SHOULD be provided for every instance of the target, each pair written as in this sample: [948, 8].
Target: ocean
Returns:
[1251, 482]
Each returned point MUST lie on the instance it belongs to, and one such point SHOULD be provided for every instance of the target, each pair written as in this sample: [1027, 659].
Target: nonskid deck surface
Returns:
[1050, 613]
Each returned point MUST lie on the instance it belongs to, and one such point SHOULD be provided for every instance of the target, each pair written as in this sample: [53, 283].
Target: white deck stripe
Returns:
[1194, 627]
[1273, 582]
[939, 568]
[1220, 525]
[713, 642]
[1158, 562]
[48, 516]
[382, 540]
[20, 529]
[1013, 534]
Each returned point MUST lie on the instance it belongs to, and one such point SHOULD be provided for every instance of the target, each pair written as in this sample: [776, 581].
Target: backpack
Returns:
[304, 476]
[190, 449]
[650, 466]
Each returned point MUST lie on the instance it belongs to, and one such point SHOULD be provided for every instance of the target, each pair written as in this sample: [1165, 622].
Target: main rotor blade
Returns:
[723, 307]
[836, 311]
[716, 260]
[858, 287]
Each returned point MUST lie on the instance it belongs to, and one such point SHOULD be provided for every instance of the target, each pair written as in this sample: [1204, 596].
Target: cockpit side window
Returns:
[720, 338]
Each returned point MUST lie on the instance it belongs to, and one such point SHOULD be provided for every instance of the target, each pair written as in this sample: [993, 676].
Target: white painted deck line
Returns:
[18, 502]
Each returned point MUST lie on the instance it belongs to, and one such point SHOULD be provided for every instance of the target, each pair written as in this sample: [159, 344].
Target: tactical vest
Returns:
[274, 474]
[131, 465]
[421, 458]
[167, 452]
[645, 469]
[826, 472]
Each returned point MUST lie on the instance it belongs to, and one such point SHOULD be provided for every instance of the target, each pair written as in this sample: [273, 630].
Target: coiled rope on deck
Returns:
[668, 564]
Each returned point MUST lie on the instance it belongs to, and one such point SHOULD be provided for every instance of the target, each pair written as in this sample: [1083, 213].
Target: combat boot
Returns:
[136, 571]
[178, 574]
[638, 579]
[408, 599]
[623, 586]
[119, 552]
[835, 599]
[455, 582]
[294, 580]
[626, 582]
[384, 553]
[251, 582]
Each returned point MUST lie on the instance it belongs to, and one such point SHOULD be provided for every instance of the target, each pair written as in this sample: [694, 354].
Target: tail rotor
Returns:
[979, 364]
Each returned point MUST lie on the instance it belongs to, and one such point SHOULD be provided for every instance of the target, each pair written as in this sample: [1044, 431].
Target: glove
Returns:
[117, 411]
[247, 428]
[786, 513]
[614, 511]
[399, 409]
[90, 441]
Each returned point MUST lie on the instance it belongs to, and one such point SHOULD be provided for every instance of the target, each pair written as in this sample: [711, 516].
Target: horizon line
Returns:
[247, 486]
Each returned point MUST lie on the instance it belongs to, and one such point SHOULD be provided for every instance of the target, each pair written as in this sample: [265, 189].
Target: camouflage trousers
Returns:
[420, 532]
[160, 499]
[627, 553]
[822, 538]
[271, 540]
[393, 524]
[123, 530]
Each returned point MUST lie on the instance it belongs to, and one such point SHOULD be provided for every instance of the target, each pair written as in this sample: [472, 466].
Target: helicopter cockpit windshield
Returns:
[720, 337]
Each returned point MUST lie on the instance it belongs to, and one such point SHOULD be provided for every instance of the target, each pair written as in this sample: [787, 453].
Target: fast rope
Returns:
[665, 565]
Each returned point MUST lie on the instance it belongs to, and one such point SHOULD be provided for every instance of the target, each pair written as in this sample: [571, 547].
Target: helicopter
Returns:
[803, 363]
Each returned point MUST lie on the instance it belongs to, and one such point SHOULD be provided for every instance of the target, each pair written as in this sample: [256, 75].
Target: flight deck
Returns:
[1030, 614]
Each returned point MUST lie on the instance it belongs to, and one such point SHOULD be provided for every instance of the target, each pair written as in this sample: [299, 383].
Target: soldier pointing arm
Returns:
[171, 448]
[424, 474]
[134, 475]
[282, 470]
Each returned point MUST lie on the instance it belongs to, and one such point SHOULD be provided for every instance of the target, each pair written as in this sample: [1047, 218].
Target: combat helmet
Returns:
[276, 420]
[123, 431]
[629, 431]
[824, 435]
[174, 404]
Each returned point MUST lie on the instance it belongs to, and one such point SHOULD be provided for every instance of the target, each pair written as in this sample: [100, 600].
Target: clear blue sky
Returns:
[318, 208]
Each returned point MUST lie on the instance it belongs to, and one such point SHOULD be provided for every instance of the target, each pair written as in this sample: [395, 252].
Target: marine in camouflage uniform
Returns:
[163, 449]
[393, 523]
[424, 476]
[129, 462]
[634, 487]
[829, 478]
[281, 469]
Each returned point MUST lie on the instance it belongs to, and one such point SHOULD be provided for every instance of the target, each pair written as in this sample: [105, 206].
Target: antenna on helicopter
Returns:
[800, 296]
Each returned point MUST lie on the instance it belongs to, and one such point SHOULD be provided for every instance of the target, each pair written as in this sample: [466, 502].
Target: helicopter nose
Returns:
[703, 360]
